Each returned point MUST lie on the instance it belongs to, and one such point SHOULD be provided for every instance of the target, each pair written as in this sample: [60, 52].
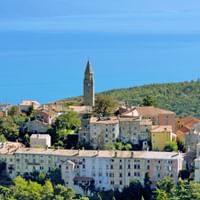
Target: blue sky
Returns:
[44, 45]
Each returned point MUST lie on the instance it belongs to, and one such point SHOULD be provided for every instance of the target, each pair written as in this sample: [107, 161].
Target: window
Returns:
[120, 167]
[148, 167]
[121, 183]
[83, 166]
[120, 175]
[129, 174]
[112, 182]
[137, 174]
[111, 166]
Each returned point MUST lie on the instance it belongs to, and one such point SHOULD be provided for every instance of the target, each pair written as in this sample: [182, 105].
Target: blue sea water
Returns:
[44, 50]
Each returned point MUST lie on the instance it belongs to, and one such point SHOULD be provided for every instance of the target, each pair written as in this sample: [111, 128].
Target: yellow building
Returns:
[160, 135]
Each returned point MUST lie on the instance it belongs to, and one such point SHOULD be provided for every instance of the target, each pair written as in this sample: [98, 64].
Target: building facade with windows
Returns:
[134, 130]
[104, 170]
[103, 130]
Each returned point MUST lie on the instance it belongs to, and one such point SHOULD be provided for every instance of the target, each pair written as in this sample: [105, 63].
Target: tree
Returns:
[55, 176]
[48, 191]
[133, 192]
[4, 192]
[171, 146]
[68, 121]
[64, 125]
[182, 191]
[8, 128]
[181, 146]
[161, 195]
[2, 138]
[105, 105]
[195, 190]
[166, 184]
[147, 192]
[164, 189]
[148, 101]
[62, 191]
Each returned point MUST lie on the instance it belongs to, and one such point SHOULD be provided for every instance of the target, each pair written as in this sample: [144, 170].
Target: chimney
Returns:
[132, 154]
[98, 152]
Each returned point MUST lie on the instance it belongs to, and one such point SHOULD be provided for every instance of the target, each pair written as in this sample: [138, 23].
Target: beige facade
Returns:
[103, 170]
[158, 116]
[40, 140]
[160, 135]
[37, 126]
[103, 131]
[26, 104]
[46, 116]
[192, 138]
[134, 129]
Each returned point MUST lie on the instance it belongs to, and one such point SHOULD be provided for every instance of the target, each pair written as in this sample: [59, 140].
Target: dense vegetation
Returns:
[182, 98]
[166, 189]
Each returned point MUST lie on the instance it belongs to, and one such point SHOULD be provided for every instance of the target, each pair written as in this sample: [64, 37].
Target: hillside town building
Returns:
[103, 130]
[82, 169]
[160, 135]
[135, 130]
[40, 140]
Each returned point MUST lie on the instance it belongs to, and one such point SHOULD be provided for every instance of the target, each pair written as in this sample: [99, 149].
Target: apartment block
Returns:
[104, 170]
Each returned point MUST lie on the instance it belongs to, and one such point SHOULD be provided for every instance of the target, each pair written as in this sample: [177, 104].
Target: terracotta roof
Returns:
[183, 130]
[103, 120]
[47, 112]
[2, 114]
[130, 113]
[189, 122]
[161, 128]
[152, 111]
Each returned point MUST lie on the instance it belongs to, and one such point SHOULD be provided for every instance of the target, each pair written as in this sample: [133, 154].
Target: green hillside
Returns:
[182, 98]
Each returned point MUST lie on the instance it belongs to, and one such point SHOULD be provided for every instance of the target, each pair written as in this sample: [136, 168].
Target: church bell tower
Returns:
[89, 98]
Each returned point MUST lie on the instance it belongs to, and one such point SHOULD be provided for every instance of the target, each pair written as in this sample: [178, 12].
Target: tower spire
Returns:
[88, 69]
[88, 86]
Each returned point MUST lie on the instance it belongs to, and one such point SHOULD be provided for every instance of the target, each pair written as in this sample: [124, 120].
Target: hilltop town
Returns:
[99, 144]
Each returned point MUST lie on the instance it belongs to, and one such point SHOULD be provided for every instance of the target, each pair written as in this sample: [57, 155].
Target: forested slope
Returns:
[182, 98]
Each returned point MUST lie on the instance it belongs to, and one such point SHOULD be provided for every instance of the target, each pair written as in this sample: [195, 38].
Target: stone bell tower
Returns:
[89, 99]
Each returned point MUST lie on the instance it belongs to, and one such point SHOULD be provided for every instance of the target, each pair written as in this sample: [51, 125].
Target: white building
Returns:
[25, 105]
[40, 140]
[103, 170]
